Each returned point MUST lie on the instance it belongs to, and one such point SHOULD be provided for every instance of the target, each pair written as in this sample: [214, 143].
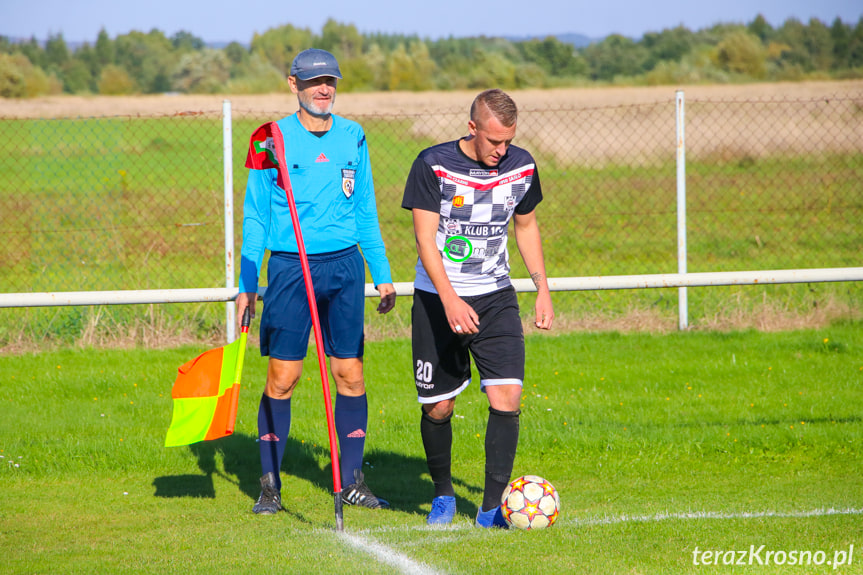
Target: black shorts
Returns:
[441, 358]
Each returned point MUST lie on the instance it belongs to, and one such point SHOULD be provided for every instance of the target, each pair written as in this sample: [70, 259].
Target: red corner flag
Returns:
[262, 151]
[266, 151]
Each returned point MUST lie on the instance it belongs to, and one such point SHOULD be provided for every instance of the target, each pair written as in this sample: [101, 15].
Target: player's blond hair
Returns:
[497, 103]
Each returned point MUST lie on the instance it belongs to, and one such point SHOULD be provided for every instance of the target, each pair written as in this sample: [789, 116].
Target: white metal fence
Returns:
[842, 199]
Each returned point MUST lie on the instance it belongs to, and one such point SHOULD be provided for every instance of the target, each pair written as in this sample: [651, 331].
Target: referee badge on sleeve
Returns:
[348, 177]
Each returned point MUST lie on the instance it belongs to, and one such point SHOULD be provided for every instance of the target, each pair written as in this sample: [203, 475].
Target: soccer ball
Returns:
[530, 502]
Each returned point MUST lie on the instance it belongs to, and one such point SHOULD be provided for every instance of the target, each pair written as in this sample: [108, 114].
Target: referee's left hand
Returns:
[388, 297]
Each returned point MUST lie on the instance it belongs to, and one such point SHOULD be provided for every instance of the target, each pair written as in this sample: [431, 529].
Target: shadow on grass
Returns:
[240, 455]
[405, 483]
[402, 480]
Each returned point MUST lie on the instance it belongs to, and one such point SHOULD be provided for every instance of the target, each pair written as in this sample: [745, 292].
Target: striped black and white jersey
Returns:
[475, 203]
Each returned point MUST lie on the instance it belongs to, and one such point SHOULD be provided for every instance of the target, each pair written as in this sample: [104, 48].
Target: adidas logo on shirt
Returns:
[321, 158]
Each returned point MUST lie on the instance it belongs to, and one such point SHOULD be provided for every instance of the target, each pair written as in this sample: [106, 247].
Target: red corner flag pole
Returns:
[273, 131]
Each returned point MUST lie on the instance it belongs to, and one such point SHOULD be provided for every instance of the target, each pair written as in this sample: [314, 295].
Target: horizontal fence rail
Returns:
[645, 281]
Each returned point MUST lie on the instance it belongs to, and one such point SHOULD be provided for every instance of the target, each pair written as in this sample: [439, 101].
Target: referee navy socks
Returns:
[351, 417]
[274, 425]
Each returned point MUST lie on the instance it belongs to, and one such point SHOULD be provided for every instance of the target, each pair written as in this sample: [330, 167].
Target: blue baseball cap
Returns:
[314, 63]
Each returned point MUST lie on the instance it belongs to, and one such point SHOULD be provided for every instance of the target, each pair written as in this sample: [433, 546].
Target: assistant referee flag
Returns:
[206, 394]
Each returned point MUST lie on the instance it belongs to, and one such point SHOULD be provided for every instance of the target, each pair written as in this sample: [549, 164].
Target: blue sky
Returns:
[227, 20]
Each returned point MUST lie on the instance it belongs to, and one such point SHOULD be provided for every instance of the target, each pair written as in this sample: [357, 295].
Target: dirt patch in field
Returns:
[409, 103]
[586, 126]
[157, 335]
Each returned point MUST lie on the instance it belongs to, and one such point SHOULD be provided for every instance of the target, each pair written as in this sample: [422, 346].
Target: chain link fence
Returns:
[111, 203]
[136, 202]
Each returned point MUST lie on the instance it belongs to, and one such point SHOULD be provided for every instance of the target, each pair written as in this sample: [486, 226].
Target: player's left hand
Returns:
[544, 310]
[388, 297]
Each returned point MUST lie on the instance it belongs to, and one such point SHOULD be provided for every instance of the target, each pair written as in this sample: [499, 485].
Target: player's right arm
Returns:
[423, 197]
[458, 312]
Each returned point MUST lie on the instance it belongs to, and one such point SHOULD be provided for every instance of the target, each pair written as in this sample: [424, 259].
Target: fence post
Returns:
[228, 170]
[682, 301]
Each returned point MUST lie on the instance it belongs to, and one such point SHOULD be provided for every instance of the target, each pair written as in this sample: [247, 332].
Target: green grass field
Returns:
[660, 446]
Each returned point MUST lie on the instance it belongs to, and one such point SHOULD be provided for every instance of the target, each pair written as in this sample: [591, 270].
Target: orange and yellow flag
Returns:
[206, 394]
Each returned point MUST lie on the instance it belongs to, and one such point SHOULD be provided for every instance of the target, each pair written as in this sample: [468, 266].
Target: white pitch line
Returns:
[410, 567]
[655, 518]
[387, 555]
[610, 520]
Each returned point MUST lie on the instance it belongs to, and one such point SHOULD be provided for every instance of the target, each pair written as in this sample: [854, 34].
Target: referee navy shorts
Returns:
[339, 282]
[441, 358]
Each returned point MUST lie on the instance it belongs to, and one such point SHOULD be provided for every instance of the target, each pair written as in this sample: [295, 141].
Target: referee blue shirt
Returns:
[331, 179]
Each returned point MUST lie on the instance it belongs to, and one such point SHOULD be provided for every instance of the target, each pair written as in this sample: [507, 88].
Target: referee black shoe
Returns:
[270, 501]
[358, 493]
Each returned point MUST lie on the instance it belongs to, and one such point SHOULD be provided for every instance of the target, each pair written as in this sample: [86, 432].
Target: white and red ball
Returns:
[530, 502]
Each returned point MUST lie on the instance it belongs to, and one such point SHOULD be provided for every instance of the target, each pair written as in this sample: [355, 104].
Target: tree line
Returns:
[150, 63]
